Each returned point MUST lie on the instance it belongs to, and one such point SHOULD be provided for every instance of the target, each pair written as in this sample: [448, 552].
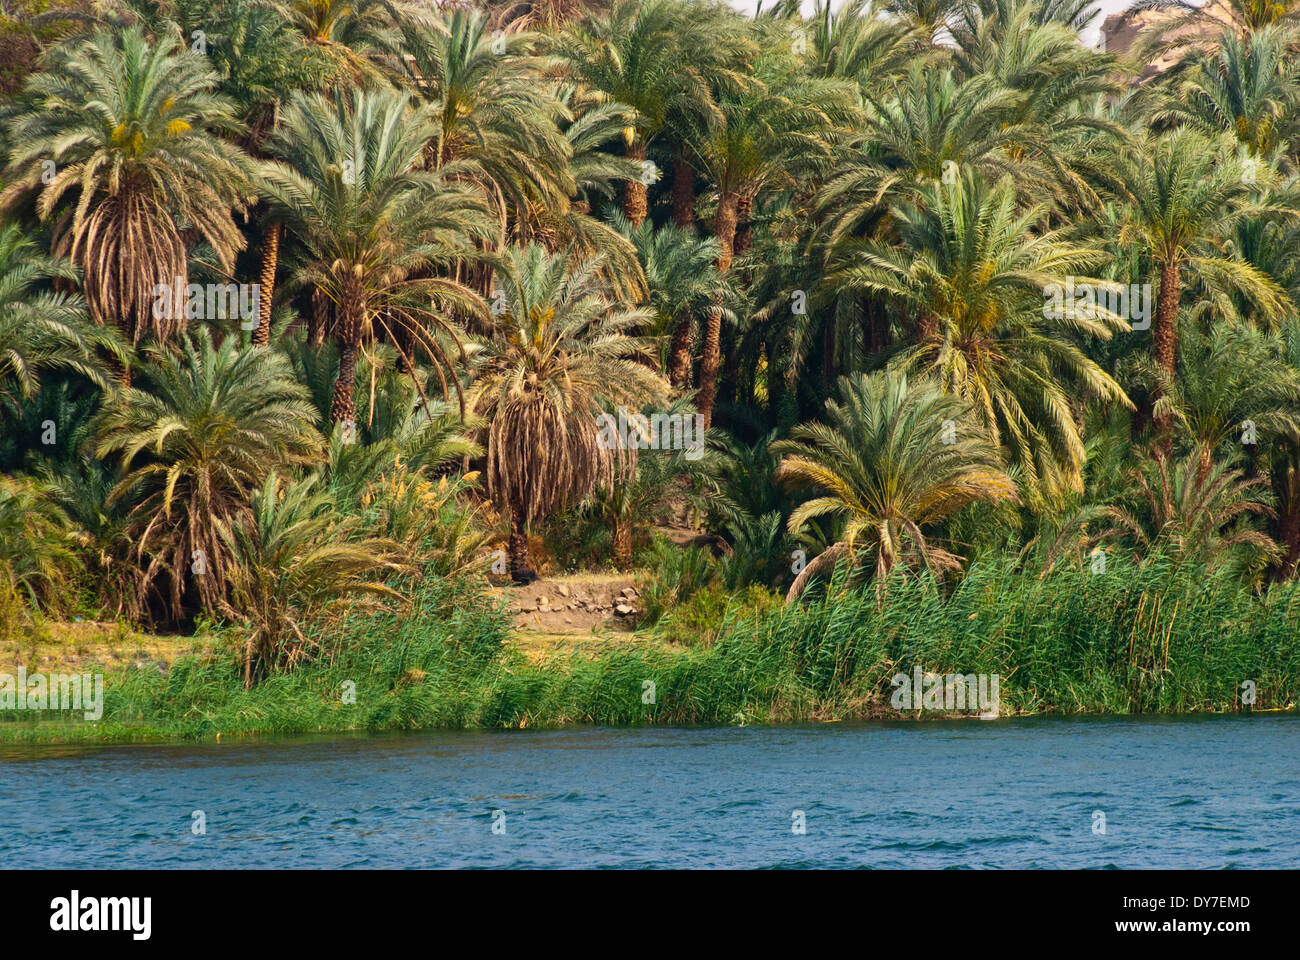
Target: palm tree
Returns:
[358, 36]
[128, 127]
[494, 115]
[1183, 189]
[1235, 389]
[929, 19]
[36, 544]
[195, 445]
[1199, 519]
[43, 330]
[683, 280]
[633, 56]
[560, 353]
[1189, 29]
[1247, 88]
[373, 226]
[853, 42]
[764, 135]
[293, 560]
[634, 501]
[261, 59]
[892, 459]
[975, 269]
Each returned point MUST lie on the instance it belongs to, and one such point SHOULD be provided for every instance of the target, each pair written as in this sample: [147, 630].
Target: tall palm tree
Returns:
[1183, 189]
[195, 445]
[41, 329]
[764, 135]
[494, 114]
[374, 226]
[261, 59]
[129, 127]
[975, 269]
[683, 281]
[632, 55]
[558, 356]
[892, 459]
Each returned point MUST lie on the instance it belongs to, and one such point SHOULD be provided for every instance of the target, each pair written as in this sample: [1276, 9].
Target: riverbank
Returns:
[1139, 641]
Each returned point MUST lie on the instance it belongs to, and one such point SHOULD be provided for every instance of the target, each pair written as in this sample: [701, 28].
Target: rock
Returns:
[562, 590]
[527, 608]
[629, 592]
[543, 601]
[624, 609]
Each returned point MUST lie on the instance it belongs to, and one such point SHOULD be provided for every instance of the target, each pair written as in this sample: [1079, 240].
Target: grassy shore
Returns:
[1136, 640]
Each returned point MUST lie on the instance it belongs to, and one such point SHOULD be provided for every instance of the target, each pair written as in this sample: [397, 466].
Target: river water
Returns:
[1116, 792]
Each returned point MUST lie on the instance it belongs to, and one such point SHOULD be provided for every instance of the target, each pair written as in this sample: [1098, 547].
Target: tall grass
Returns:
[1151, 638]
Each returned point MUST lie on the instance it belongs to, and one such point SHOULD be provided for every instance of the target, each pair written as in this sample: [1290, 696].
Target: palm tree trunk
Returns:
[1166, 344]
[622, 535]
[679, 354]
[874, 326]
[344, 405]
[824, 563]
[635, 205]
[744, 228]
[1166, 332]
[270, 260]
[1204, 464]
[725, 230]
[520, 570]
[318, 321]
[683, 192]
[404, 340]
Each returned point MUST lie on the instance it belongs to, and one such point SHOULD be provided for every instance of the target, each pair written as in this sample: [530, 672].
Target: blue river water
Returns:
[1218, 792]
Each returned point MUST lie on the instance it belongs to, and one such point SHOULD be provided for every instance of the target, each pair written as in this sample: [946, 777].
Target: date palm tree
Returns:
[126, 129]
[195, 441]
[1248, 88]
[632, 55]
[764, 135]
[374, 227]
[1235, 394]
[1201, 518]
[561, 352]
[893, 458]
[1187, 29]
[494, 114]
[358, 36]
[683, 282]
[1183, 190]
[975, 269]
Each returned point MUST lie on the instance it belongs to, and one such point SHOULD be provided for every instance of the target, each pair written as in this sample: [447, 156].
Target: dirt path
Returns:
[578, 604]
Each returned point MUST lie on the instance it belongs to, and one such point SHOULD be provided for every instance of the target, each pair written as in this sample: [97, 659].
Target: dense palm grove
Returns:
[879, 250]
